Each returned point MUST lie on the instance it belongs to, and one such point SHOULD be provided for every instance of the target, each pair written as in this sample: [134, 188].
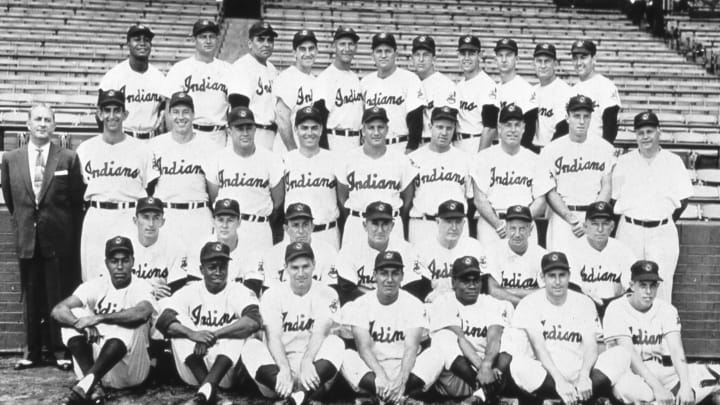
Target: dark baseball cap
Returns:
[645, 270]
[298, 249]
[580, 102]
[388, 258]
[554, 261]
[111, 97]
[149, 204]
[261, 29]
[468, 42]
[518, 212]
[545, 49]
[506, 43]
[226, 206]
[308, 113]
[375, 113]
[118, 244]
[443, 113]
[343, 31]
[510, 112]
[302, 36]
[140, 29]
[378, 210]
[240, 115]
[183, 98]
[383, 38]
[647, 118]
[599, 209]
[203, 25]
[214, 250]
[583, 46]
[298, 210]
[465, 265]
[451, 209]
[425, 42]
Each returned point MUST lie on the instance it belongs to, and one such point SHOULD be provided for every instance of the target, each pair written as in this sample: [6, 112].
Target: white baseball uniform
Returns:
[516, 91]
[597, 272]
[472, 95]
[344, 100]
[551, 101]
[439, 91]
[255, 81]
[271, 263]
[295, 89]
[357, 264]
[438, 259]
[240, 268]
[603, 93]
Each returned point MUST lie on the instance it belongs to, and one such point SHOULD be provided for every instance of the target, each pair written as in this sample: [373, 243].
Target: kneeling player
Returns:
[105, 326]
[299, 356]
[208, 322]
[388, 325]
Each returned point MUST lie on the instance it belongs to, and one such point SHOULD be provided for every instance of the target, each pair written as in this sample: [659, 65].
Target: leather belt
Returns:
[426, 217]
[646, 224]
[209, 128]
[107, 205]
[342, 132]
[426, 140]
[322, 227]
[138, 134]
[464, 135]
[397, 139]
[362, 214]
[254, 218]
[187, 206]
[581, 208]
[271, 127]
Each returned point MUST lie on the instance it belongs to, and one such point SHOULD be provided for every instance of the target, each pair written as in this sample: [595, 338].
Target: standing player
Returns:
[550, 95]
[651, 187]
[300, 357]
[179, 157]
[118, 170]
[476, 94]
[580, 166]
[444, 173]
[251, 83]
[293, 88]
[397, 91]
[338, 96]
[204, 78]
[207, 323]
[143, 84]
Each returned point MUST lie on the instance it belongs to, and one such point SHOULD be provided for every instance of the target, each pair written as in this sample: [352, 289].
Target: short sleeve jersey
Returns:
[441, 177]
[255, 81]
[357, 265]
[101, 297]
[517, 271]
[240, 267]
[551, 101]
[439, 260]
[439, 91]
[295, 89]
[343, 97]
[164, 260]
[271, 263]
[207, 84]
[604, 94]
[472, 95]
[598, 271]
[516, 91]
[313, 181]
[398, 94]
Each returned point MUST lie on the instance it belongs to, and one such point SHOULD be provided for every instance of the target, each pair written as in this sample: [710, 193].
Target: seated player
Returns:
[105, 326]
[650, 328]
[207, 322]
[467, 327]
[300, 357]
[388, 326]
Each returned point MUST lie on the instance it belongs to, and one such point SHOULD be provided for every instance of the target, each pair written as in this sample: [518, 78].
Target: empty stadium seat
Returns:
[692, 212]
[709, 177]
[711, 211]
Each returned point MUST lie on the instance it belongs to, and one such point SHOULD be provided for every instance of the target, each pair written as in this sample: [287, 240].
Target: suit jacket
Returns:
[54, 222]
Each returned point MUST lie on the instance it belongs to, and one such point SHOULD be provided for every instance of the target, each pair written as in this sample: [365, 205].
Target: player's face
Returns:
[506, 60]
[384, 57]
[556, 282]
[518, 232]
[467, 288]
[243, 135]
[648, 138]
[299, 272]
[345, 49]
[388, 280]
[511, 132]
[599, 229]
[579, 122]
[206, 43]
[378, 230]
[119, 267]
[544, 67]
[375, 132]
[644, 293]
[584, 64]
[305, 54]
[469, 61]
[299, 230]
[308, 133]
[182, 117]
[423, 61]
[441, 133]
[450, 228]
[149, 223]
[112, 117]
[226, 225]
[41, 124]
[261, 47]
[139, 46]
[215, 273]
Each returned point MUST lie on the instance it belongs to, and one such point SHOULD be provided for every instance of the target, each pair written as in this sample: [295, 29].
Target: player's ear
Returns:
[125, 114]
[135, 219]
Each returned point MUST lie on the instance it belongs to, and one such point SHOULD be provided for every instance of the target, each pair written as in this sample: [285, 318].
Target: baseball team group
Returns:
[306, 231]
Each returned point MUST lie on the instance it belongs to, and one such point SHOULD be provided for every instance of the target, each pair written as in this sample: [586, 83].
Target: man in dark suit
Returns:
[43, 189]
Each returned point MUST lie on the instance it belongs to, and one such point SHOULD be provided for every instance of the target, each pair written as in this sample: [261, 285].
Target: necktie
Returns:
[39, 172]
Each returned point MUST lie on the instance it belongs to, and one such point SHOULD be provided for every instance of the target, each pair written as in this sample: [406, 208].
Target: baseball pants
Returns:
[469, 145]
[188, 225]
[257, 232]
[420, 229]
[515, 342]
[265, 138]
[100, 225]
[220, 137]
[560, 237]
[631, 388]
[182, 348]
[331, 236]
[449, 384]
[487, 236]
[355, 235]
[343, 143]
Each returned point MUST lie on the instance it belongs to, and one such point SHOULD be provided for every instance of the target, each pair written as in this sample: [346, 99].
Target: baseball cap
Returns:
[138, 29]
[510, 112]
[388, 258]
[118, 244]
[378, 210]
[465, 265]
[203, 25]
[343, 31]
[506, 43]
[583, 46]
[214, 250]
[226, 206]
[425, 42]
[451, 209]
[647, 118]
[545, 49]
[183, 98]
[383, 38]
[111, 97]
[645, 270]
[308, 113]
[149, 204]
[261, 28]
[468, 42]
[519, 212]
[443, 113]
[240, 115]
[298, 249]
[375, 113]
[302, 36]
[580, 102]
[298, 210]
[599, 209]
[554, 261]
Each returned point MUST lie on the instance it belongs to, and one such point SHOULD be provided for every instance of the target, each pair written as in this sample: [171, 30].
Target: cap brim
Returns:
[646, 124]
[394, 265]
[468, 47]
[182, 102]
[375, 117]
[556, 267]
[240, 121]
[118, 249]
[264, 32]
[151, 209]
[378, 216]
[296, 255]
[451, 215]
[511, 217]
[582, 51]
[214, 29]
[226, 212]
[354, 37]
[111, 102]
[647, 277]
[215, 255]
[509, 48]
[600, 215]
[470, 270]
[289, 217]
[425, 47]
[545, 53]
[581, 107]
[147, 33]
[447, 117]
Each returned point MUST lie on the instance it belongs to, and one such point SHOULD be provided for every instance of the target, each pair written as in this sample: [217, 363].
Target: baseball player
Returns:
[650, 328]
[374, 172]
[300, 357]
[118, 170]
[580, 166]
[144, 86]
[251, 175]
[179, 157]
[439, 90]
[106, 327]
[550, 95]
[513, 89]
[650, 188]
[507, 174]
[387, 327]
[599, 88]
[396, 90]
[476, 94]
[338, 95]
[208, 323]
[311, 176]
[293, 88]
[444, 173]
[251, 83]
[205, 79]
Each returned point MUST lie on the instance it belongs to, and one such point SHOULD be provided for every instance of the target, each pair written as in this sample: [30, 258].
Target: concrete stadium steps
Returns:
[11, 310]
